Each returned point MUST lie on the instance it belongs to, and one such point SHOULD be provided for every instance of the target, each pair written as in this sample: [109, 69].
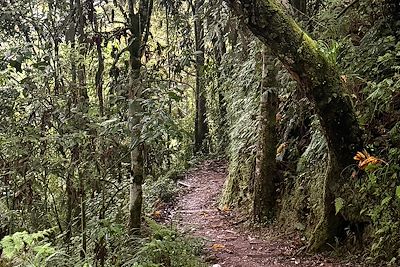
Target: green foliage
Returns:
[61, 161]
[242, 95]
[376, 86]
[162, 190]
[330, 51]
[167, 247]
[339, 204]
[398, 191]
[23, 249]
[368, 56]
[382, 208]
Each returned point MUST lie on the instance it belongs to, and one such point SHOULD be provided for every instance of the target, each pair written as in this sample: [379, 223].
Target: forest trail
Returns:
[227, 242]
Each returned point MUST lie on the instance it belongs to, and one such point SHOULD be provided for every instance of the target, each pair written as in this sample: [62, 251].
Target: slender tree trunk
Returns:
[99, 74]
[264, 188]
[201, 127]
[82, 90]
[83, 213]
[69, 183]
[84, 106]
[139, 25]
[219, 52]
[70, 37]
[68, 219]
[320, 82]
[169, 81]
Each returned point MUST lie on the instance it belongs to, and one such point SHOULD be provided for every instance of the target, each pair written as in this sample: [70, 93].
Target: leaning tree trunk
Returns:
[264, 189]
[320, 81]
[200, 128]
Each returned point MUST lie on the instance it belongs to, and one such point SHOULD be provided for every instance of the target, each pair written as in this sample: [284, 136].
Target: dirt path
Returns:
[228, 243]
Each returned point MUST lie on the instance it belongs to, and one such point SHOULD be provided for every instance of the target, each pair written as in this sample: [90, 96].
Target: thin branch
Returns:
[116, 59]
[147, 32]
[347, 8]
[166, 80]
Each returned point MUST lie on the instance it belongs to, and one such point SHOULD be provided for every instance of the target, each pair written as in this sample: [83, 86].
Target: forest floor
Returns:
[228, 241]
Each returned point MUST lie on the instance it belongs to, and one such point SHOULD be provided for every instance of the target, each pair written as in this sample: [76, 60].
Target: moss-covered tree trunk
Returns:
[138, 25]
[264, 188]
[320, 81]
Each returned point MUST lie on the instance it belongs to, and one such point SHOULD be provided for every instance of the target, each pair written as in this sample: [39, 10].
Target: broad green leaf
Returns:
[339, 203]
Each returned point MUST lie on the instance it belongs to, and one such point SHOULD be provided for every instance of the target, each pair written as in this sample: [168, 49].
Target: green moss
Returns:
[237, 190]
[303, 204]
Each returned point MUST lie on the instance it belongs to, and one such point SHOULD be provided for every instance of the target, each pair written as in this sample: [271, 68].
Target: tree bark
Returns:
[83, 105]
[264, 188]
[99, 73]
[320, 82]
[219, 52]
[69, 183]
[138, 24]
[82, 90]
[201, 127]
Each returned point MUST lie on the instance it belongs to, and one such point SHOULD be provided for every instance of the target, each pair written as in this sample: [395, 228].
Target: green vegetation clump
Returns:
[167, 247]
[23, 249]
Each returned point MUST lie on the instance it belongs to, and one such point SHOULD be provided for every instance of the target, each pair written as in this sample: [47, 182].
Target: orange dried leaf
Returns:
[157, 214]
[226, 208]
[281, 147]
[366, 154]
[217, 247]
[359, 156]
[365, 159]
[371, 160]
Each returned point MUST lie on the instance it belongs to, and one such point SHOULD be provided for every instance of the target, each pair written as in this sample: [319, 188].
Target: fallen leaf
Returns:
[281, 148]
[157, 214]
[226, 208]
[217, 247]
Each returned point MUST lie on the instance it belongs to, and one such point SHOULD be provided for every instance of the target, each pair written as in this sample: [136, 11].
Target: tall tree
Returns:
[200, 128]
[265, 174]
[320, 82]
[138, 24]
[219, 51]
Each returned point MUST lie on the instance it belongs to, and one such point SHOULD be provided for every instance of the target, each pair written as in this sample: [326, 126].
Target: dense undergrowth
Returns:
[364, 44]
[161, 246]
[65, 167]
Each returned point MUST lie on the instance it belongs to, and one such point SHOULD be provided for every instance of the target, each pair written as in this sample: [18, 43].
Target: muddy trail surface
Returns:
[228, 242]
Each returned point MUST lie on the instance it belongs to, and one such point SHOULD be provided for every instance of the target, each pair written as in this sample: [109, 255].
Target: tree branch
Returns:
[347, 8]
